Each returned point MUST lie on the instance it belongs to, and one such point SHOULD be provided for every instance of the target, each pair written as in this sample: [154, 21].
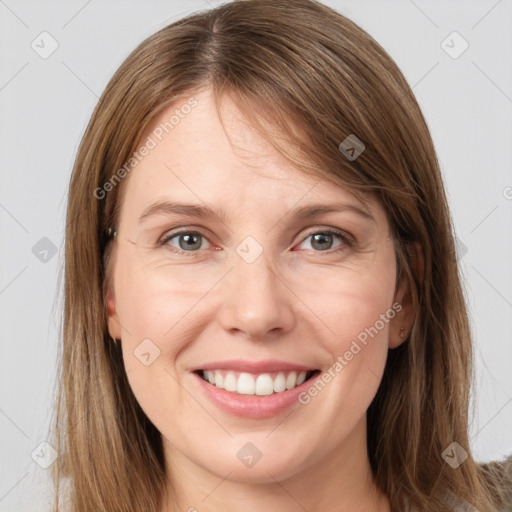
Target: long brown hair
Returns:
[287, 65]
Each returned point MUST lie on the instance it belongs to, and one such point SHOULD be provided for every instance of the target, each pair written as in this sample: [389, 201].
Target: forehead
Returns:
[195, 157]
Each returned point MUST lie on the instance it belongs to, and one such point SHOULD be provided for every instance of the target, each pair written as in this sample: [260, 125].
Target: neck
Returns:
[342, 481]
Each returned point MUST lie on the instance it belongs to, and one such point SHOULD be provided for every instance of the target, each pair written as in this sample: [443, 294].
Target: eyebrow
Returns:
[196, 210]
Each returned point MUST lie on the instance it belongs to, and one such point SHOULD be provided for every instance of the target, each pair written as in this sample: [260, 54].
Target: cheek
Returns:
[153, 315]
[351, 303]
[156, 328]
[360, 345]
[356, 308]
[157, 299]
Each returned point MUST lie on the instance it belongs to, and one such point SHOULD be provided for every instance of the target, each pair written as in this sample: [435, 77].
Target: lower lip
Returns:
[253, 406]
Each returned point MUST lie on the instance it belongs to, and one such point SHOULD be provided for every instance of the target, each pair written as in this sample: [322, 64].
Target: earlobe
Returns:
[397, 337]
[401, 326]
[114, 327]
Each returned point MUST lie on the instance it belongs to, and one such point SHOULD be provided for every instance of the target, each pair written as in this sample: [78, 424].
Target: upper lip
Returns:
[255, 367]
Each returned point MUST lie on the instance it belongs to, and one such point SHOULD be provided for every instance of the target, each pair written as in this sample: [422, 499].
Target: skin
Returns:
[299, 301]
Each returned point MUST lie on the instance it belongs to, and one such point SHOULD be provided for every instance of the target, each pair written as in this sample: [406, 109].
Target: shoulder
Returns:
[497, 473]
[500, 474]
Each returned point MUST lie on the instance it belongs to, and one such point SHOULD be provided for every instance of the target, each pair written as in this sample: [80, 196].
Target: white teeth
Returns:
[291, 381]
[301, 378]
[246, 384]
[230, 382]
[280, 383]
[249, 384]
[219, 379]
[264, 385]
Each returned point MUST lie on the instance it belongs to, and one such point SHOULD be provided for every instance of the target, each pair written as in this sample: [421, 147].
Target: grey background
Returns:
[45, 105]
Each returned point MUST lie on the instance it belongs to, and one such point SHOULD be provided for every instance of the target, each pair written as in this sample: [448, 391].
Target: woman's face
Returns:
[266, 277]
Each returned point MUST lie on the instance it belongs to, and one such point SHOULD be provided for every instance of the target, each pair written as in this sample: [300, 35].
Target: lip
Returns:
[255, 367]
[252, 406]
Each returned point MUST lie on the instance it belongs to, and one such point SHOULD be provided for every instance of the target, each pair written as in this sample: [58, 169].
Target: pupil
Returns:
[189, 243]
[322, 238]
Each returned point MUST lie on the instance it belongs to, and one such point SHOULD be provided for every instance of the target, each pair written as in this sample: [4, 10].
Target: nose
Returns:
[257, 301]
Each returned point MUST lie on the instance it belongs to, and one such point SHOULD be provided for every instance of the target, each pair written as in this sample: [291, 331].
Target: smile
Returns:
[263, 384]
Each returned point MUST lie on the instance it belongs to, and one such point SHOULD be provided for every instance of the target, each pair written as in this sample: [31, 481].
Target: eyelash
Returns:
[345, 238]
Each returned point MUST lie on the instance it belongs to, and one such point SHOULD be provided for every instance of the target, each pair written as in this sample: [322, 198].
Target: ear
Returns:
[114, 327]
[406, 315]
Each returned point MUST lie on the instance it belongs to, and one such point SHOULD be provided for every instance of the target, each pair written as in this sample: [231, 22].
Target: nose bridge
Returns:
[254, 272]
[256, 301]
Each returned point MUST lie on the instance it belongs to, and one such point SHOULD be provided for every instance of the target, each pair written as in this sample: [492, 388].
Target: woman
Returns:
[216, 356]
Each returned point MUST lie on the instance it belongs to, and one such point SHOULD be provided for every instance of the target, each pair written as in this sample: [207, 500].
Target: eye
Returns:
[187, 241]
[191, 242]
[322, 241]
